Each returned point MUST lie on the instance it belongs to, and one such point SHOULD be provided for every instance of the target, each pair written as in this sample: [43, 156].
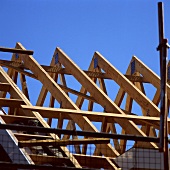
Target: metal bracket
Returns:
[132, 67]
[56, 58]
[16, 55]
[164, 44]
[95, 62]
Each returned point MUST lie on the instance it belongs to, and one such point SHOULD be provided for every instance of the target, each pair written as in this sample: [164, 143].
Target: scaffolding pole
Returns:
[163, 50]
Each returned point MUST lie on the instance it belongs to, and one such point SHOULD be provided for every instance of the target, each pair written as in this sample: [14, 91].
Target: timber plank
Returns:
[16, 119]
[5, 87]
[62, 142]
[47, 112]
[22, 136]
[16, 103]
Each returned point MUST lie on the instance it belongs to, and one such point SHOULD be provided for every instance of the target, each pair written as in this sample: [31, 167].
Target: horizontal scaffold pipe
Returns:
[78, 133]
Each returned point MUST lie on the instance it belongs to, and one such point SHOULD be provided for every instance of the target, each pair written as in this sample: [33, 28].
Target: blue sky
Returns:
[117, 29]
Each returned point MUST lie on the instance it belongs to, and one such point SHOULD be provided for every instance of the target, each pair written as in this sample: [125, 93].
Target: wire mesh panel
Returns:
[58, 153]
[10, 152]
[140, 158]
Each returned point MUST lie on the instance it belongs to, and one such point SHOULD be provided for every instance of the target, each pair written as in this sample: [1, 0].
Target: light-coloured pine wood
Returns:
[98, 94]
[93, 91]
[61, 97]
[54, 112]
[30, 143]
[21, 136]
[40, 73]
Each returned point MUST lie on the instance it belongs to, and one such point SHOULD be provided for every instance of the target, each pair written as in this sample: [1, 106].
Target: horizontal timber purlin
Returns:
[23, 136]
[15, 50]
[29, 143]
[17, 66]
[78, 133]
[11, 102]
[47, 112]
[50, 69]
[4, 87]
[20, 69]
[66, 89]
[15, 118]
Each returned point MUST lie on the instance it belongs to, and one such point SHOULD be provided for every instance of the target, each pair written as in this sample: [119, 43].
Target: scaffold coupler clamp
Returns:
[164, 44]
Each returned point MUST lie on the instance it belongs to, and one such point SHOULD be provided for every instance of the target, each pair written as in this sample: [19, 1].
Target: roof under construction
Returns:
[61, 130]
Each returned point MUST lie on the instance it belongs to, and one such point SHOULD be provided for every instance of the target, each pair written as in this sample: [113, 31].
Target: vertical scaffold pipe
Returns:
[163, 49]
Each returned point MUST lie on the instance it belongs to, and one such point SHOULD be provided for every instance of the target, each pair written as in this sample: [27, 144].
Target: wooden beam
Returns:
[5, 87]
[16, 66]
[149, 75]
[66, 89]
[16, 103]
[15, 50]
[54, 112]
[24, 85]
[23, 136]
[52, 99]
[135, 78]
[16, 119]
[53, 69]
[62, 142]
[113, 164]
[129, 101]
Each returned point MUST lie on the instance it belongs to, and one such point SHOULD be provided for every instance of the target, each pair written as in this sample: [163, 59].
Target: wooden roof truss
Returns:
[113, 118]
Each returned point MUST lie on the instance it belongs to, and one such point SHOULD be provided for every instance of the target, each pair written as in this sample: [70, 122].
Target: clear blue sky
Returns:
[117, 29]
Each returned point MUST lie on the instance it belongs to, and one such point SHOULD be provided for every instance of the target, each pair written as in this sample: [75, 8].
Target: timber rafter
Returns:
[55, 106]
